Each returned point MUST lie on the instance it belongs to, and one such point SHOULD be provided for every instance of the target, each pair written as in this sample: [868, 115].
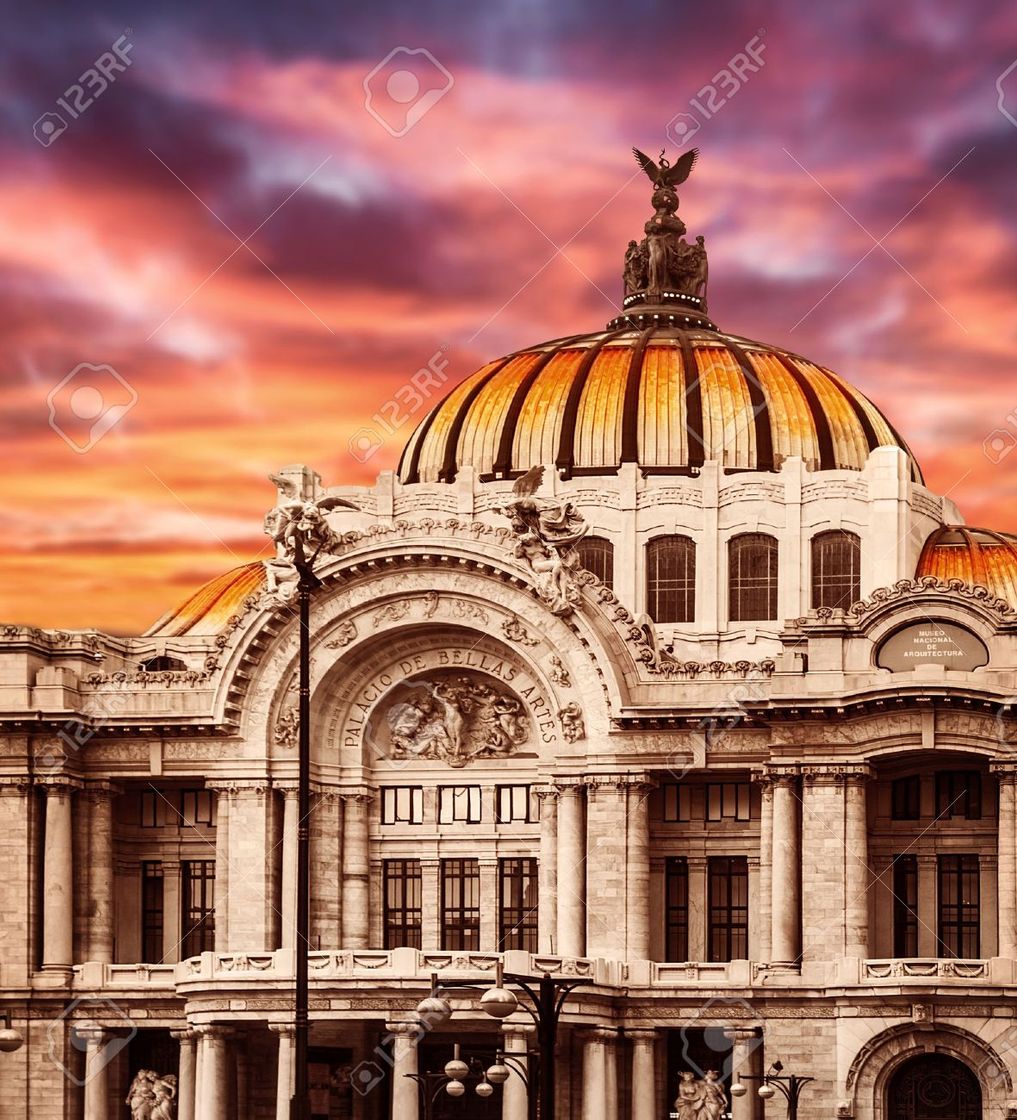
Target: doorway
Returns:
[933, 1087]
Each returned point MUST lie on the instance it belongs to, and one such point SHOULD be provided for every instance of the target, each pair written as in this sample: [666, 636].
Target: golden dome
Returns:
[208, 610]
[976, 556]
[666, 397]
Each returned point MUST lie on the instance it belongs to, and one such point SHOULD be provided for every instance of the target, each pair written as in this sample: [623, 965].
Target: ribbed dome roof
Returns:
[208, 610]
[664, 397]
[976, 556]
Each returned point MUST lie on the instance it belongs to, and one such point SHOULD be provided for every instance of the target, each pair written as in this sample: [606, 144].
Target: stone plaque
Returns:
[931, 642]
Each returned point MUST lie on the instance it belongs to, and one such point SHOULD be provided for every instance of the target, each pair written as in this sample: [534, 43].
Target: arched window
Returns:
[671, 579]
[836, 569]
[596, 554]
[752, 577]
[161, 663]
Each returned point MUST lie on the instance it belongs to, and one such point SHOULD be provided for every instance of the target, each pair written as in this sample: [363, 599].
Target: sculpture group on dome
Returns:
[546, 532]
[664, 261]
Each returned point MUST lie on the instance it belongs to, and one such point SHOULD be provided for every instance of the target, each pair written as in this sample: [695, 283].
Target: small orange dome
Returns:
[976, 556]
[208, 610]
[666, 397]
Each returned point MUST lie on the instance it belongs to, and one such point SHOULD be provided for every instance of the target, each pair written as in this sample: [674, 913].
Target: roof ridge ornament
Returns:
[665, 277]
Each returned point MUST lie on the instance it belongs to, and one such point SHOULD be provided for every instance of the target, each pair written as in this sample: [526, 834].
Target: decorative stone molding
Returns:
[963, 969]
[516, 632]
[558, 673]
[238, 788]
[342, 635]
[572, 726]
[287, 728]
[816, 773]
[905, 588]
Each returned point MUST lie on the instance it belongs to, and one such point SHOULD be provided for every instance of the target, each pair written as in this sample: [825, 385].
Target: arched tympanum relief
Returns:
[451, 717]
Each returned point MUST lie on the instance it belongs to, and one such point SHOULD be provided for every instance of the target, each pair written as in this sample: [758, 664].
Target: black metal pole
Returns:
[299, 1104]
[547, 1034]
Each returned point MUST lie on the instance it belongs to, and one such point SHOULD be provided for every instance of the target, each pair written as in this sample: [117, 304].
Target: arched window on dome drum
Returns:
[836, 569]
[752, 578]
[671, 579]
[596, 555]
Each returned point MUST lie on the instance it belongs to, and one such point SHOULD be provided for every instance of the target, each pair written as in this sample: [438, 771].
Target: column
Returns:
[547, 889]
[637, 885]
[489, 914]
[856, 868]
[213, 1091]
[405, 1092]
[356, 872]
[186, 1075]
[325, 836]
[611, 1076]
[514, 1101]
[746, 1064]
[763, 951]
[288, 891]
[786, 871]
[284, 1070]
[99, 939]
[571, 872]
[1006, 891]
[199, 1075]
[222, 868]
[96, 1075]
[595, 1073]
[644, 1074]
[928, 919]
[58, 880]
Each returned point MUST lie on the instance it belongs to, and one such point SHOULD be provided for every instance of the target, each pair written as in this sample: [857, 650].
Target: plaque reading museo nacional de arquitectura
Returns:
[932, 643]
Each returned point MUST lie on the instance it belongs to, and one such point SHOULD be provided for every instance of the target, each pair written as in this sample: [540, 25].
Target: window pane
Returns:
[151, 912]
[197, 889]
[460, 904]
[677, 909]
[752, 587]
[518, 895]
[402, 894]
[959, 906]
[677, 802]
[836, 569]
[905, 906]
[728, 902]
[906, 798]
[959, 794]
[671, 579]
[596, 555]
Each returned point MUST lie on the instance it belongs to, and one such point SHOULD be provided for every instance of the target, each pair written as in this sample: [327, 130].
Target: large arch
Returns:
[933, 1086]
[876, 1063]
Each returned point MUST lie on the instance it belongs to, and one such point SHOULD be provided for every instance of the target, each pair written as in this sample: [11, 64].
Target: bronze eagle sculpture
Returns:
[665, 174]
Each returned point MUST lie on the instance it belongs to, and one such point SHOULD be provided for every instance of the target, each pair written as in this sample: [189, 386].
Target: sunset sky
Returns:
[858, 195]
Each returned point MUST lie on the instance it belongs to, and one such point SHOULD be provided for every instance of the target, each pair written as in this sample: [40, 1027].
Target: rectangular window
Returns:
[906, 798]
[403, 888]
[402, 805]
[460, 904]
[959, 794]
[517, 804]
[677, 803]
[958, 906]
[197, 899]
[159, 808]
[727, 801]
[905, 906]
[728, 902]
[676, 916]
[151, 912]
[197, 806]
[517, 928]
[459, 805]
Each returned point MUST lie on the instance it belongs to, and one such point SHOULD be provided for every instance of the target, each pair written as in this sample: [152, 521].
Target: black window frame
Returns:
[508, 796]
[958, 918]
[596, 554]
[671, 595]
[675, 803]
[736, 796]
[905, 905]
[197, 876]
[460, 916]
[518, 894]
[402, 903]
[727, 879]
[676, 909]
[153, 911]
[451, 800]
[753, 597]
[836, 567]
[906, 798]
[959, 795]
[390, 811]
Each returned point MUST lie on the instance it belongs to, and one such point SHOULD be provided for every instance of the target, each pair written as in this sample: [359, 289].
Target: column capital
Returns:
[100, 790]
[781, 774]
[93, 1034]
[603, 1035]
[642, 1034]
[17, 784]
[184, 1035]
[361, 796]
[546, 793]
[741, 1034]
[284, 1030]
[289, 792]
[1004, 771]
[518, 1030]
[214, 1032]
[405, 1029]
[55, 784]
[836, 773]
[236, 788]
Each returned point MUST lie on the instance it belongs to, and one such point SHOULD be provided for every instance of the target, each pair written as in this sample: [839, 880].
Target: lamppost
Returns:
[546, 995]
[790, 1087]
[307, 582]
[453, 1081]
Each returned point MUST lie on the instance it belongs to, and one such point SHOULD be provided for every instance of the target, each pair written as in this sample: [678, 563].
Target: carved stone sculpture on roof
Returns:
[546, 532]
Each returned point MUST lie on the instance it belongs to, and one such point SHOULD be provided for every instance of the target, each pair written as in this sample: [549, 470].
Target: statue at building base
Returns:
[699, 1098]
[152, 1097]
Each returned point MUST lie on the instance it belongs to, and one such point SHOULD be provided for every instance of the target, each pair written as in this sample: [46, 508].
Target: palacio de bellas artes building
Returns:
[654, 677]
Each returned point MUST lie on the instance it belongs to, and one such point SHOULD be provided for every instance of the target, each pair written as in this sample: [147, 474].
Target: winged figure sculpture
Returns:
[662, 173]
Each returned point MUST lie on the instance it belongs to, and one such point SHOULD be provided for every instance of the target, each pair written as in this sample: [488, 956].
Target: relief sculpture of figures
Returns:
[456, 721]
[152, 1097]
[547, 531]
